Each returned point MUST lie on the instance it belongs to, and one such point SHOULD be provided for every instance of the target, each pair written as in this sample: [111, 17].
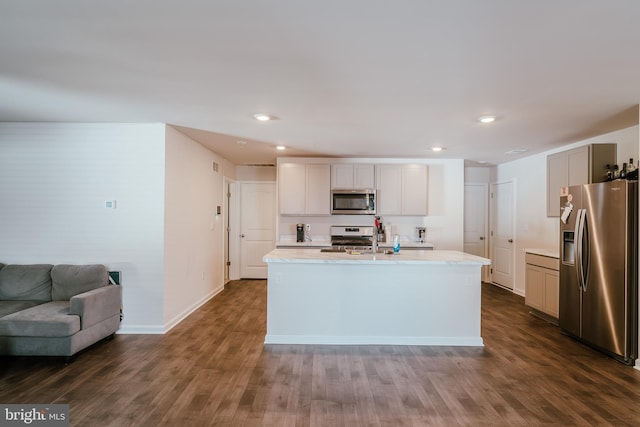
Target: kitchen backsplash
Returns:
[405, 226]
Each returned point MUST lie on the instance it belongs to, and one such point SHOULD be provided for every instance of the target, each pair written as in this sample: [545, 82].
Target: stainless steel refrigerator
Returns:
[598, 269]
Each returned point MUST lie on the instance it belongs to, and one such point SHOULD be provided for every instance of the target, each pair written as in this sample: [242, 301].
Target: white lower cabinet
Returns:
[542, 283]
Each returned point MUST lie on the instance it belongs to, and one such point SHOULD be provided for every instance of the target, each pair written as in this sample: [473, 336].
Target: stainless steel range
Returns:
[356, 237]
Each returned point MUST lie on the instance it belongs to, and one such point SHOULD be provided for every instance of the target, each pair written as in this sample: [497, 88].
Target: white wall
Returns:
[256, 173]
[444, 222]
[533, 229]
[163, 235]
[479, 174]
[193, 232]
[54, 181]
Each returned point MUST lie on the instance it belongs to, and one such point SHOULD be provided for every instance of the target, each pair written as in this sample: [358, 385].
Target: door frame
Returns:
[492, 226]
[231, 232]
[486, 275]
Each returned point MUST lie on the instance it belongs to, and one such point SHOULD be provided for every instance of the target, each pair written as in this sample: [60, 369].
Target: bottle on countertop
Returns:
[396, 244]
[616, 172]
[608, 173]
[632, 170]
[623, 171]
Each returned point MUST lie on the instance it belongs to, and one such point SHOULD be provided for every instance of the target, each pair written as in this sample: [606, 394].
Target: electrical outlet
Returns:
[308, 227]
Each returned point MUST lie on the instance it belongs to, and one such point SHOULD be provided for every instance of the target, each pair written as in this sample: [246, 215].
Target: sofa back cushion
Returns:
[26, 282]
[70, 280]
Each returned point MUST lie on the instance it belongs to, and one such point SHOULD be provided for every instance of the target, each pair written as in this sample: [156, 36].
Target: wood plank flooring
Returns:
[213, 369]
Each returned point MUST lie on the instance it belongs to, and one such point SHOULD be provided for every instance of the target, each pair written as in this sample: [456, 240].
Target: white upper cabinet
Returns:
[318, 190]
[577, 166]
[292, 188]
[389, 189]
[401, 189]
[414, 189]
[349, 176]
[304, 189]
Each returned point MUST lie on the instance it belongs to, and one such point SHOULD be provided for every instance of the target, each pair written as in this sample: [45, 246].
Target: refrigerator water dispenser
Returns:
[568, 257]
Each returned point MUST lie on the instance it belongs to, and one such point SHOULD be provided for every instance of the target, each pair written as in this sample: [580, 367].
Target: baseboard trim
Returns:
[159, 330]
[373, 340]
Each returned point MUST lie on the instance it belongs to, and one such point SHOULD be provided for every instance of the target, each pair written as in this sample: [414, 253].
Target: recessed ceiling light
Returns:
[263, 117]
[437, 148]
[281, 147]
[487, 119]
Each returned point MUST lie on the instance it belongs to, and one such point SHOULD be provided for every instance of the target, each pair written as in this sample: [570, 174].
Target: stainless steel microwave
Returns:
[353, 202]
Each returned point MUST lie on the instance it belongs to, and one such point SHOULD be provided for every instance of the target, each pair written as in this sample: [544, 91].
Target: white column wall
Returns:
[54, 181]
[193, 244]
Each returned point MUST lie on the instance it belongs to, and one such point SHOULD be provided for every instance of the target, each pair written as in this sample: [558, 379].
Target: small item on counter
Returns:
[608, 173]
[632, 170]
[396, 244]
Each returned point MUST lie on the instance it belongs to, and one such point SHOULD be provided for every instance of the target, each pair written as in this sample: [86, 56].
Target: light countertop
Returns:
[551, 253]
[306, 256]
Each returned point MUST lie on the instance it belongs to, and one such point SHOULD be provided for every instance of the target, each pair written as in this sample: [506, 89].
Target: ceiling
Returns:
[352, 78]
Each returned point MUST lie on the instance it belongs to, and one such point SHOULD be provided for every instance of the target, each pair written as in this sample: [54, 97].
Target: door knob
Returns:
[242, 235]
[510, 240]
[481, 237]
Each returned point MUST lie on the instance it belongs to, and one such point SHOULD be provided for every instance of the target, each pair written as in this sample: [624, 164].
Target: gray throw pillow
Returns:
[70, 280]
[25, 282]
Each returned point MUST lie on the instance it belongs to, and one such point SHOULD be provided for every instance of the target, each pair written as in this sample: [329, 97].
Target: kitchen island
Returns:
[422, 297]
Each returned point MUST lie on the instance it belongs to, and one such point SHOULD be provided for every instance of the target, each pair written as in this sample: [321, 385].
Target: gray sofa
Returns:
[48, 310]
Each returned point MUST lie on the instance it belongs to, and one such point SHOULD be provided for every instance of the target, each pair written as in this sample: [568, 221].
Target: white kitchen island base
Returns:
[413, 298]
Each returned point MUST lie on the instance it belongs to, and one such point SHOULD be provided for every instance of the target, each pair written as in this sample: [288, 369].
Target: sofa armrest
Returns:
[96, 305]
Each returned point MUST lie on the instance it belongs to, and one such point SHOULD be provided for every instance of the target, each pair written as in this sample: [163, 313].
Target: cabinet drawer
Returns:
[542, 261]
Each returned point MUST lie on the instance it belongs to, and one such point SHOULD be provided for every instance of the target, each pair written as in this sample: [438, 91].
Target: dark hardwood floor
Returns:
[213, 369]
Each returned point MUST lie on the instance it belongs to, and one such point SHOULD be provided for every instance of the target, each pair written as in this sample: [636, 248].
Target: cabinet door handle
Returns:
[242, 235]
[510, 240]
[481, 237]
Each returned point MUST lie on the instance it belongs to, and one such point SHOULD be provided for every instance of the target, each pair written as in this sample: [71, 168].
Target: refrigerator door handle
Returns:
[578, 248]
[585, 266]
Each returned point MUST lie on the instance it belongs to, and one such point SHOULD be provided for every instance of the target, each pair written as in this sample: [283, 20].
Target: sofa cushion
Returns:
[8, 307]
[26, 282]
[70, 280]
[51, 319]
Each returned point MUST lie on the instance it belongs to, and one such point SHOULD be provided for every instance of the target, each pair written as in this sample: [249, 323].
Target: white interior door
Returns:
[502, 246]
[476, 224]
[257, 227]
